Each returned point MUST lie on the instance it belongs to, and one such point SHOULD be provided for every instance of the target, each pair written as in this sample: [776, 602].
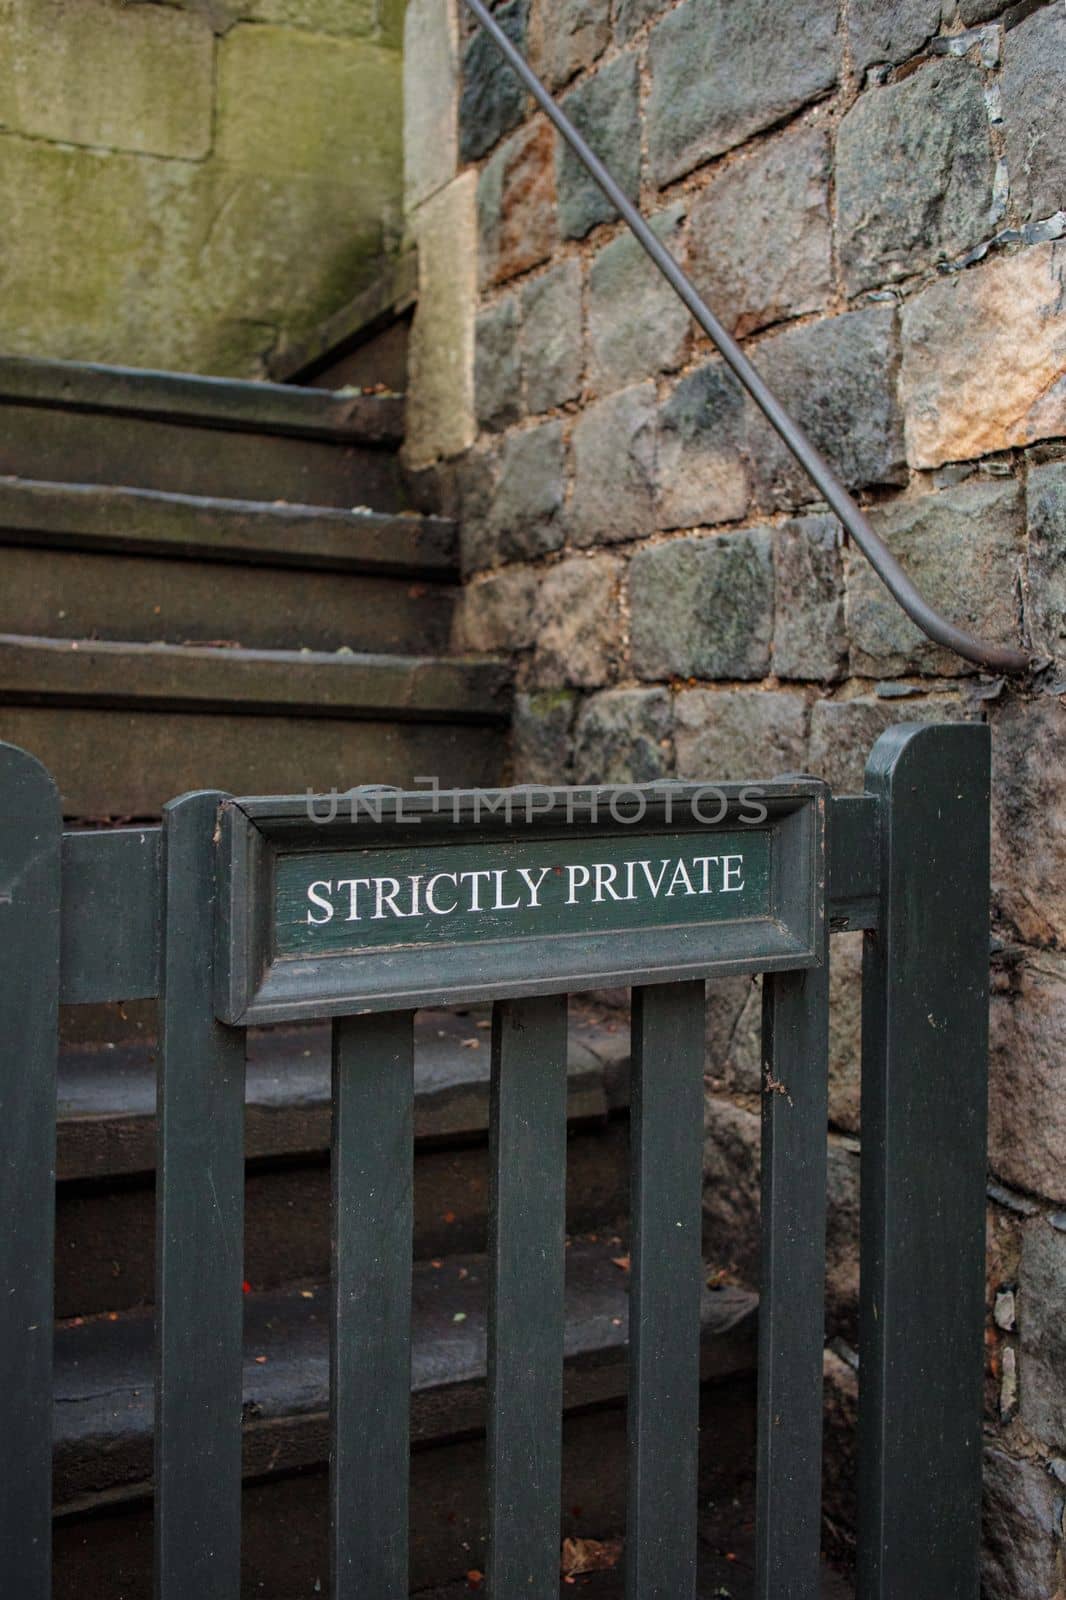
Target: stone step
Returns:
[83, 560]
[106, 1092]
[125, 727]
[80, 423]
[105, 1366]
[105, 1202]
[284, 1545]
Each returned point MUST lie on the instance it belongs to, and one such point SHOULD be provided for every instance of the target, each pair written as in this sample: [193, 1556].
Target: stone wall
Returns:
[183, 183]
[872, 197]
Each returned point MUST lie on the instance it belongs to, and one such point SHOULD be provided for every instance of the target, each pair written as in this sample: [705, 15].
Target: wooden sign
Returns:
[393, 900]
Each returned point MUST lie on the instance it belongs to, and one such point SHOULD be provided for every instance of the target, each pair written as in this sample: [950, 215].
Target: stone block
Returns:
[637, 325]
[631, 15]
[733, 1038]
[497, 374]
[1042, 1320]
[493, 101]
[1027, 1095]
[810, 640]
[1021, 1528]
[291, 102]
[614, 468]
[731, 1207]
[1033, 86]
[733, 735]
[976, 528]
[566, 36]
[720, 72]
[496, 614]
[889, 30]
[552, 358]
[430, 98]
[528, 499]
[623, 736]
[1047, 558]
[542, 736]
[440, 359]
[845, 1030]
[605, 111]
[1028, 817]
[475, 484]
[516, 205]
[965, 391]
[843, 732]
[321, 16]
[840, 1427]
[577, 623]
[89, 72]
[759, 243]
[838, 379]
[703, 607]
[915, 172]
[703, 469]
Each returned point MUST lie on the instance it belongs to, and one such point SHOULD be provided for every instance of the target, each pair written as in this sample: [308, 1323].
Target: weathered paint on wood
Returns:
[30, 832]
[924, 1134]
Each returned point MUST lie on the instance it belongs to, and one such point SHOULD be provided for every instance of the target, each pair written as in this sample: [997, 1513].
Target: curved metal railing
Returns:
[993, 657]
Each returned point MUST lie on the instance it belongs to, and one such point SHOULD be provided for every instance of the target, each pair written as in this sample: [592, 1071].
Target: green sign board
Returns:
[415, 904]
[465, 893]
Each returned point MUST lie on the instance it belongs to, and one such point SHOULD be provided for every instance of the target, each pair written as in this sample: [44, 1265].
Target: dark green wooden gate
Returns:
[234, 912]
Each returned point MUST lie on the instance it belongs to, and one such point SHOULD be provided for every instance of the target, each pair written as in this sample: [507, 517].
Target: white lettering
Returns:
[475, 904]
[386, 897]
[501, 904]
[654, 884]
[681, 876]
[431, 895]
[575, 882]
[705, 863]
[534, 888]
[605, 876]
[729, 872]
[353, 886]
[319, 900]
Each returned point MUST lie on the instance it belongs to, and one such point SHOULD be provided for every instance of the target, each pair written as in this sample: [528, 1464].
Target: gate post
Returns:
[924, 1133]
[31, 829]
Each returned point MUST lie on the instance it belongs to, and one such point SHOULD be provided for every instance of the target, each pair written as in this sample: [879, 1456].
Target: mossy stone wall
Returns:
[182, 184]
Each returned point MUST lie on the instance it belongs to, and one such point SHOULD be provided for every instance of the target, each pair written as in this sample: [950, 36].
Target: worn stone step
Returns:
[104, 1370]
[106, 1093]
[284, 1544]
[80, 423]
[125, 727]
[105, 1223]
[84, 560]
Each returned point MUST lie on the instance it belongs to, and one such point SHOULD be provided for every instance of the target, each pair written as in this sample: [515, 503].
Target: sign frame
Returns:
[257, 985]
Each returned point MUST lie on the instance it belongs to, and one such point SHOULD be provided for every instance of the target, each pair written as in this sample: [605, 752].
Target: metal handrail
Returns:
[995, 657]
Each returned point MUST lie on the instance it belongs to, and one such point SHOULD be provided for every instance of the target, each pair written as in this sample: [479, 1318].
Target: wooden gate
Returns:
[362, 909]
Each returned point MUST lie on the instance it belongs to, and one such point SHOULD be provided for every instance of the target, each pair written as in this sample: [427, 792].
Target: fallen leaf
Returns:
[620, 1261]
[589, 1555]
[475, 1578]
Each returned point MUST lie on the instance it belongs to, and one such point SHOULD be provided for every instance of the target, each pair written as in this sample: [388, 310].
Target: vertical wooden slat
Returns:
[792, 1283]
[370, 1351]
[924, 1095]
[30, 834]
[199, 1226]
[526, 1251]
[666, 1112]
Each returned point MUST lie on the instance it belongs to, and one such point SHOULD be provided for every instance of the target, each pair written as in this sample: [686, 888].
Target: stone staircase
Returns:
[213, 583]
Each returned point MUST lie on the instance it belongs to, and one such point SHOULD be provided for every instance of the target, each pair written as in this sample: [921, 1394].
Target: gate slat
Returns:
[924, 1134]
[30, 830]
[199, 1234]
[666, 1121]
[370, 1350]
[792, 1283]
[526, 1308]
